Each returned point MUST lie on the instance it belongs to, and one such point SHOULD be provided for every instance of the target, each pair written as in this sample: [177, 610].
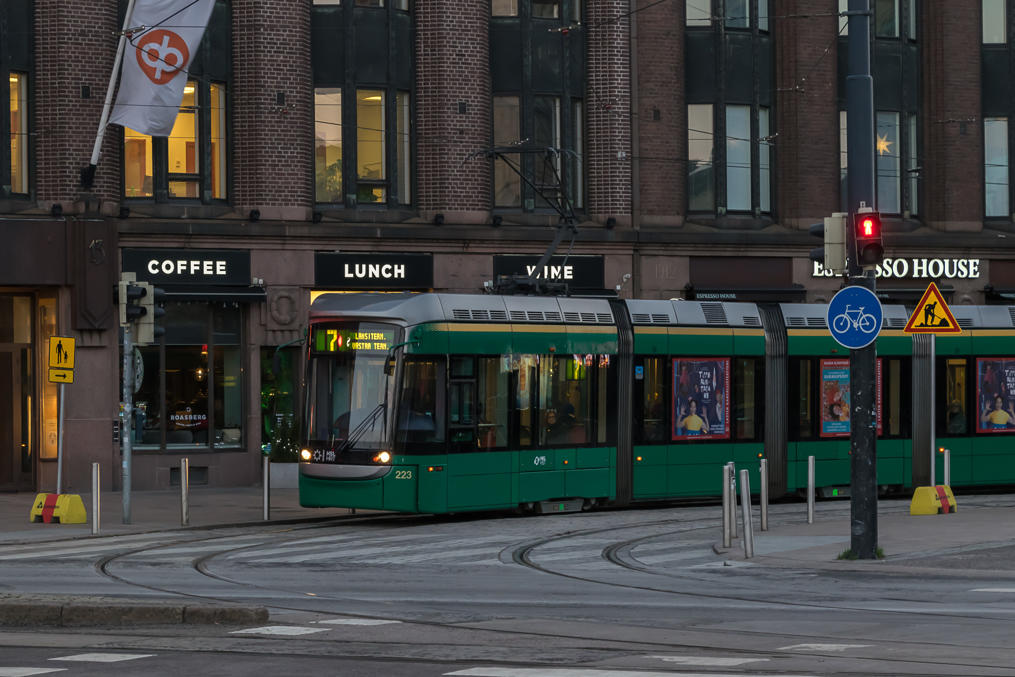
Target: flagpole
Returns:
[88, 173]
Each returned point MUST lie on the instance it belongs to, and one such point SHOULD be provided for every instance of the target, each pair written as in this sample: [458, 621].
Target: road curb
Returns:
[22, 612]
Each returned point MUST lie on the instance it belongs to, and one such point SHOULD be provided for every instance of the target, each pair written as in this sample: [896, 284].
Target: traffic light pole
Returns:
[127, 414]
[862, 377]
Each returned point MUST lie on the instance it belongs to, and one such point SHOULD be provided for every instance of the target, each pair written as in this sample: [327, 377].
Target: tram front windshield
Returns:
[349, 389]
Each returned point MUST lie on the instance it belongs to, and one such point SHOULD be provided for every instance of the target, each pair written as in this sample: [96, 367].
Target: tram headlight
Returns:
[306, 454]
[382, 457]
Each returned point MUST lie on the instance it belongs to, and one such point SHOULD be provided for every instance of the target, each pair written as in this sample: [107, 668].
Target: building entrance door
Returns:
[15, 412]
[17, 387]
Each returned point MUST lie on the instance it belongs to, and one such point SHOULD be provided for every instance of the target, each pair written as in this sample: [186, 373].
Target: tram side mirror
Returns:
[389, 366]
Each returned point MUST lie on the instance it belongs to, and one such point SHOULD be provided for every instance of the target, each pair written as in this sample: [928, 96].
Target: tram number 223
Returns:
[403, 474]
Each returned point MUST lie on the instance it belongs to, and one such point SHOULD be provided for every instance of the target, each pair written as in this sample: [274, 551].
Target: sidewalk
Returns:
[157, 510]
[979, 537]
[978, 540]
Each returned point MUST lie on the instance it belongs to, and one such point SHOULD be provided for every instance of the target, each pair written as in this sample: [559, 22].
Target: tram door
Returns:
[15, 393]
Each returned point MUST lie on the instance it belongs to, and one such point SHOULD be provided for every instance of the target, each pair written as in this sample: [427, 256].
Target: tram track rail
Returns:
[523, 554]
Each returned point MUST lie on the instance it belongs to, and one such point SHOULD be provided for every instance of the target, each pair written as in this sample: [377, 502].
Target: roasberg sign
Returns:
[918, 268]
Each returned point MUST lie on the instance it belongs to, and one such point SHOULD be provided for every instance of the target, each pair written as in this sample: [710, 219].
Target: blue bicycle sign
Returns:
[854, 317]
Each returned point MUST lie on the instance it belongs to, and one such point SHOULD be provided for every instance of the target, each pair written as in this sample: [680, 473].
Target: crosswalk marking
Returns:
[288, 630]
[357, 553]
[357, 621]
[41, 552]
[993, 590]
[709, 661]
[103, 657]
[27, 672]
[821, 647]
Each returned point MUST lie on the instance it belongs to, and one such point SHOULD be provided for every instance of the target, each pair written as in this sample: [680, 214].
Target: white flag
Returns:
[155, 61]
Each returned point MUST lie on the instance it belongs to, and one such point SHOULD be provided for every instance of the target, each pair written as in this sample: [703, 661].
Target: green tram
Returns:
[441, 403]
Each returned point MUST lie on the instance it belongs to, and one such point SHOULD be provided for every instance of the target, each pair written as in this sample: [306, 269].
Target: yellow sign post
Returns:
[932, 316]
[61, 359]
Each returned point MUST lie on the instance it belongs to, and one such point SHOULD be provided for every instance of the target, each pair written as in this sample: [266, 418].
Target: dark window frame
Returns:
[572, 170]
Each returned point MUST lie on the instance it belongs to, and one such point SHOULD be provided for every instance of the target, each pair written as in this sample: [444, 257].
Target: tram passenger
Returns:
[956, 419]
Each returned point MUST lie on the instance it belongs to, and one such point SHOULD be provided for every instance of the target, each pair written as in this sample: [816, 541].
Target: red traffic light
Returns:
[869, 246]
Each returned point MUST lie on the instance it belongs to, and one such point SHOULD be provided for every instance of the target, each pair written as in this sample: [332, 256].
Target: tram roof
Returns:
[419, 308]
[677, 312]
[812, 316]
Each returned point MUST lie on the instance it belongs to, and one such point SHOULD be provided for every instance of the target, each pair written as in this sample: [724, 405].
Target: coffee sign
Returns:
[918, 269]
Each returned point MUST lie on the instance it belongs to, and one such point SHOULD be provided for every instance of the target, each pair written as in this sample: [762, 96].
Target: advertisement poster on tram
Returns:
[701, 399]
[995, 394]
[834, 402]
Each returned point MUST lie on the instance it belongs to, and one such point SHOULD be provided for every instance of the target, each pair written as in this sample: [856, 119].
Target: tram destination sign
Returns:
[342, 340]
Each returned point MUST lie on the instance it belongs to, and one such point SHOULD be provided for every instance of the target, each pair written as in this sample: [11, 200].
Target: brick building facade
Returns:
[327, 140]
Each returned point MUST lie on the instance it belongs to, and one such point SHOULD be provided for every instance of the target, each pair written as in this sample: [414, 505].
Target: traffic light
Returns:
[147, 331]
[833, 231]
[867, 230]
[128, 297]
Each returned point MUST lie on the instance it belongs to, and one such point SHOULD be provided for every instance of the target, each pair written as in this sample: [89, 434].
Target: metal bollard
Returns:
[731, 470]
[745, 506]
[810, 490]
[266, 481]
[763, 494]
[185, 491]
[95, 499]
[726, 541]
[948, 467]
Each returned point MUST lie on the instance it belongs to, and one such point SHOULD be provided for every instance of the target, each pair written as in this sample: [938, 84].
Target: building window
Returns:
[896, 156]
[189, 391]
[700, 147]
[888, 163]
[371, 177]
[507, 185]
[886, 18]
[536, 104]
[994, 22]
[738, 158]
[504, 7]
[19, 133]
[380, 134]
[748, 160]
[191, 163]
[995, 166]
[698, 13]
[738, 13]
[328, 145]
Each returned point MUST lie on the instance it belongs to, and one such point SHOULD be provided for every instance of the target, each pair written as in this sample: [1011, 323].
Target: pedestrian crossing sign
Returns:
[932, 315]
[61, 352]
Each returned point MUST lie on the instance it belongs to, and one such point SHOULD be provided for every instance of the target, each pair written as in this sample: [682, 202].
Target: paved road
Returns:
[602, 593]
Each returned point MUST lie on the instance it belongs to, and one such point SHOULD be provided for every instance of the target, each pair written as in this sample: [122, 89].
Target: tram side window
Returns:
[492, 385]
[747, 398]
[802, 389]
[896, 401]
[565, 407]
[956, 418]
[524, 375]
[421, 410]
[654, 426]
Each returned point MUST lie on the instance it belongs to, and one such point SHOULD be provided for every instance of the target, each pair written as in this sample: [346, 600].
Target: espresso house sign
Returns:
[918, 269]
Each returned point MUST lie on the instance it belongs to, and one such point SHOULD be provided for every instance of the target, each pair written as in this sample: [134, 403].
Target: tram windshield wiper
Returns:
[365, 425]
